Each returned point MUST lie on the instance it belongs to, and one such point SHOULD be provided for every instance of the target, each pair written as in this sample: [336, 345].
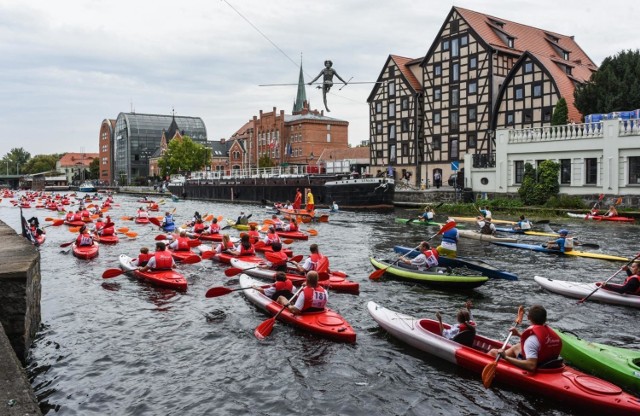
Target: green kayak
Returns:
[621, 366]
[440, 279]
[416, 221]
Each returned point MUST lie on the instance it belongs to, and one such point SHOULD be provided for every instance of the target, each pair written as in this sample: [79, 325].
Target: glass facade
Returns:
[138, 136]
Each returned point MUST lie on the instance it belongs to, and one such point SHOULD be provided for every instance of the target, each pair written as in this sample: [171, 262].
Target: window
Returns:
[437, 94]
[527, 116]
[537, 89]
[392, 131]
[405, 149]
[546, 113]
[518, 171]
[404, 126]
[436, 117]
[518, 92]
[455, 97]
[565, 55]
[591, 168]
[391, 88]
[472, 113]
[392, 71]
[473, 62]
[472, 141]
[453, 149]
[445, 45]
[437, 70]
[436, 143]
[404, 103]
[455, 25]
[528, 67]
[378, 107]
[455, 72]
[378, 128]
[565, 171]
[634, 170]
[568, 70]
[510, 42]
[455, 47]
[472, 87]
[454, 124]
[510, 119]
[392, 152]
[328, 137]
[392, 109]
[464, 40]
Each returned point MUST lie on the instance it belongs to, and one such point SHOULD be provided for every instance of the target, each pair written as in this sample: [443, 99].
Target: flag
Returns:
[26, 230]
[289, 149]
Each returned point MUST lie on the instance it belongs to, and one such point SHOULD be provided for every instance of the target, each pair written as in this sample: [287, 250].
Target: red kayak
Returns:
[164, 278]
[296, 235]
[327, 323]
[106, 239]
[562, 383]
[142, 220]
[336, 282]
[210, 237]
[605, 218]
[179, 255]
[263, 248]
[74, 223]
[227, 257]
[86, 252]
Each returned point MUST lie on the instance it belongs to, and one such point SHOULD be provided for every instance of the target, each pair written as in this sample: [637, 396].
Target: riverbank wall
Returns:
[20, 293]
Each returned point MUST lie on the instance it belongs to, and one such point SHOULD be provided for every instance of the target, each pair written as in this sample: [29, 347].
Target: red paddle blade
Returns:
[207, 254]
[287, 241]
[377, 274]
[57, 223]
[217, 291]
[264, 329]
[154, 221]
[338, 273]
[67, 244]
[447, 227]
[488, 373]
[297, 258]
[192, 259]
[232, 271]
[109, 273]
[160, 237]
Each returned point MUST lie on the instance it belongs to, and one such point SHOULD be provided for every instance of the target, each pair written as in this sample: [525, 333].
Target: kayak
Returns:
[106, 239]
[336, 282]
[483, 267]
[78, 223]
[417, 221]
[327, 323]
[474, 219]
[142, 220]
[618, 365]
[476, 235]
[210, 237]
[146, 201]
[536, 247]
[241, 227]
[601, 217]
[85, 252]
[438, 279]
[179, 255]
[164, 278]
[263, 248]
[563, 384]
[298, 212]
[296, 235]
[527, 232]
[581, 290]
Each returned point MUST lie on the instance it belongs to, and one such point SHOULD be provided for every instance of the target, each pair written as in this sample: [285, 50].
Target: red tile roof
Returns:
[75, 159]
[403, 64]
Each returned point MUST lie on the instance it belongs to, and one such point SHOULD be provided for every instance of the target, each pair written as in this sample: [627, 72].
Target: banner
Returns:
[26, 230]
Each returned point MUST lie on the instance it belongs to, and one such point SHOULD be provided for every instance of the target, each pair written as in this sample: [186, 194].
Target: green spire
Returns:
[301, 97]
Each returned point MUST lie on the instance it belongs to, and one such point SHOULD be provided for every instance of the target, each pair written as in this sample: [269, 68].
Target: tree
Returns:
[560, 113]
[266, 162]
[538, 186]
[614, 87]
[15, 160]
[94, 168]
[184, 155]
[41, 163]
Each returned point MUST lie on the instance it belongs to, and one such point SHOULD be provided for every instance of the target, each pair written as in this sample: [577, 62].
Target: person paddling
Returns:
[523, 224]
[465, 322]
[313, 298]
[168, 224]
[486, 226]
[315, 262]
[631, 284]
[161, 259]
[428, 214]
[281, 291]
[613, 212]
[426, 260]
[449, 245]
[84, 238]
[563, 243]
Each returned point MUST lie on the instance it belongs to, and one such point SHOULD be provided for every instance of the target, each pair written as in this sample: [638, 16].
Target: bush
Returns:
[565, 201]
[538, 186]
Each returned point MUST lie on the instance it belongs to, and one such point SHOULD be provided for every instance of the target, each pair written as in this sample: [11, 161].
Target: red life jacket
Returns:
[314, 297]
[320, 262]
[214, 228]
[635, 276]
[254, 234]
[164, 261]
[99, 225]
[272, 238]
[69, 216]
[77, 217]
[183, 244]
[84, 239]
[198, 228]
[107, 231]
[432, 257]
[550, 342]
[293, 226]
[280, 259]
[247, 251]
[143, 259]
[228, 245]
[84, 213]
[286, 285]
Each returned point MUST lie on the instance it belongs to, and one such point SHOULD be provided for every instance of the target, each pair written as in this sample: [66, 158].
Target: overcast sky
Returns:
[67, 65]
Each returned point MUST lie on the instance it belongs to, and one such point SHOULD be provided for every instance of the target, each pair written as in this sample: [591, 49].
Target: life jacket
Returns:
[183, 244]
[254, 234]
[293, 226]
[214, 228]
[280, 259]
[464, 327]
[143, 259]
[107, 231]
[198, 228]
[272, 238]
[450, 236]
[70, 216]
[635, 276]
[168, 221]
[486, 228]
[143, 214]
[568, 243]
[550, 342]
[84, 213]
[247, 251]
[280, 286]
[432, 257]
[99, 225]
[164, 261]
[77, 217]
[320, 262]
[525, 225]
[314, 297]
[84, 239]
[277, 224]
[228, 245]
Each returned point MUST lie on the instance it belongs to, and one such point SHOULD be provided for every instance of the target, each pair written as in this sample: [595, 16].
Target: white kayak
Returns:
[581, 290]
[476, 235]
[574, 215]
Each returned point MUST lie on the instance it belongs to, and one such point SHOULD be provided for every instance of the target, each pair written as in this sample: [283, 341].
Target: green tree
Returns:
[41, 163]
[266, 162]
[184, 155]
[541, 185]
[614, 87]
[13, 162]
[94, 168]
[560, 113]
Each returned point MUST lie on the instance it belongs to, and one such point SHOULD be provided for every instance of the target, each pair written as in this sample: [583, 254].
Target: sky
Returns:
[67, 65]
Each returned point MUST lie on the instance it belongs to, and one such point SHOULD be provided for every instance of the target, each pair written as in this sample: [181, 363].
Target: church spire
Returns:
[301, 96]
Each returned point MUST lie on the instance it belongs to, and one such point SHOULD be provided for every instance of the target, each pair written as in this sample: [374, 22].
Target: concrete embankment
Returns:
[20, 292]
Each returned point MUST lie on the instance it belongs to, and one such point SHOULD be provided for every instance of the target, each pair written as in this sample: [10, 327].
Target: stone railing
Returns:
[564, 132]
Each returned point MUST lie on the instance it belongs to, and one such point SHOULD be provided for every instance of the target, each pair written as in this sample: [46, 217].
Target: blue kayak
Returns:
[540, 248]
[527, 232]
[473, 264]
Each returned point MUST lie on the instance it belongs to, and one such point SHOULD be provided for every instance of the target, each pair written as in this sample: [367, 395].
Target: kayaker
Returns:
[426, 260]
[34, 227]
[313, 298]
[297, 201]
[143, 257]
[613, 212]
[181, 243]
[161, 259]
[563, 243]
[449, 245]
[242, 219]
[214, 228]
[427, 215]
[292, 226]
[196, 217]
[315, 262]
[142, 213]
[465, 322]
[334, 207]
[631, 284]
[523, 224]
[281, 291]
[253, 233]
[84, 238]
[539, 344]
[199, 226]
[278, 259]
[226, 245]
[245, 248]
[271, 237]
[168, 224]
[486, 226]
[310, 204]
[485, 212]
[277, 222]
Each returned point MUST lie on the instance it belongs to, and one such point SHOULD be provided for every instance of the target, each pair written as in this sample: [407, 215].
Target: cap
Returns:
[563, 232]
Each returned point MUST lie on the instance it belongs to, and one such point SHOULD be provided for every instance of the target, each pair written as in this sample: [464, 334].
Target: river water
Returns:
[122, 347]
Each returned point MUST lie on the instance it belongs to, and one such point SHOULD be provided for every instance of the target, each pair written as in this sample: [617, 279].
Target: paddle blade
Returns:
[154, 221]
[264, 329]
[217, 291]
[232, 271]
[74, 229]
[287, 241]
[49, 219]
[488, 374]
[268, 221]
[131, 234]
[126, 218]
[208, 218]
[122, 229]
[192, 259]
[297, 258]
[67, 244]
[160, 237]
[208, 254]
[58, 222]
[377, 274]
[520, 315]
[109, 273]
[312, 232]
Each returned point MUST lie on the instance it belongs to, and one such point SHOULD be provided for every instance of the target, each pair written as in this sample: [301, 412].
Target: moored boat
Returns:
[438, 279]
[327, 323]
[164, 278]
[563, 383]
[581, 290]
[87, 187]
[542, 249]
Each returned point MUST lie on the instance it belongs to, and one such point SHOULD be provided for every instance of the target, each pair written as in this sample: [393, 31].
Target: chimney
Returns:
[222, 140]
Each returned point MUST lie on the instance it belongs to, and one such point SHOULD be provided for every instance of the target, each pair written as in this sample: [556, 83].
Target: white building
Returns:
[594, 158]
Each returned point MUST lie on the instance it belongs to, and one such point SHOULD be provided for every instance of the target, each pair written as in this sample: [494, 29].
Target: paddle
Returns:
[270, 256]
[489, 372]
[221, 290]
[122, 229]
[126, 218]
[56, 223]
[312, 232]
[378, 273]
[131, 234]
[264, 329]
[109, 273]
[607, 281]
[154, 221]
[63, 245]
